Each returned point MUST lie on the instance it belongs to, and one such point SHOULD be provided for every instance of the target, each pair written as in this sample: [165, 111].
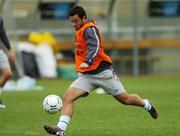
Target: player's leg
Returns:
[134, 99]
[80, 87]
[5, 68]
[69, 98]
[6, 73]
[129, 99]
[113, 86]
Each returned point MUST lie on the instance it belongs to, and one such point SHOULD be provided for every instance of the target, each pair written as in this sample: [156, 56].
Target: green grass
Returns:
[97, 115]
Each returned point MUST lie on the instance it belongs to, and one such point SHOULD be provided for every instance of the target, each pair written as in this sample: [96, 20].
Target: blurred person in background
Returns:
[5, 68]
[95, 70]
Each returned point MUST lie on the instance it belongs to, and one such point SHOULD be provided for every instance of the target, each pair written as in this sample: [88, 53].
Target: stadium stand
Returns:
[157, 37]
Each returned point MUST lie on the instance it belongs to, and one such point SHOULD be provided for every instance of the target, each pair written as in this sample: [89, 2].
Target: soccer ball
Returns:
[52, 103]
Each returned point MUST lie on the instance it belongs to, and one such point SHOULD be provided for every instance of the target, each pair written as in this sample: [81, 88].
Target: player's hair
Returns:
[77, 10]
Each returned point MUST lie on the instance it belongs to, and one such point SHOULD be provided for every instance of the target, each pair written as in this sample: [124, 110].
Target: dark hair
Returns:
[77, 10]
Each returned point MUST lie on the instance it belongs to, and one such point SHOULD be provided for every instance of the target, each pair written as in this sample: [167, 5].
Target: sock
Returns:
[147, 105]
[63, 122]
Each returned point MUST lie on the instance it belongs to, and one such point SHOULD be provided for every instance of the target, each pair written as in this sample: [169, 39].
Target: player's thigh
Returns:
[83, 83]
[4, 63]
[6, 71]
[73, 93]
[112, 85]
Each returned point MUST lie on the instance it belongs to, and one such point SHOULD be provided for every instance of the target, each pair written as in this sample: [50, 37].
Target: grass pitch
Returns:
[97, 115]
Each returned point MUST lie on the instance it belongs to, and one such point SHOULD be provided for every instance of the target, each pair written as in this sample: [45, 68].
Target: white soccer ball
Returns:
[52, 103]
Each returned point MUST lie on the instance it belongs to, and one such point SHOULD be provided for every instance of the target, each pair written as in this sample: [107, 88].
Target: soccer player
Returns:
[4, 63]
[95, 70]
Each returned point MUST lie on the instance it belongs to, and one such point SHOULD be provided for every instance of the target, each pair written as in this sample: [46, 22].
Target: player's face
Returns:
[77, 22]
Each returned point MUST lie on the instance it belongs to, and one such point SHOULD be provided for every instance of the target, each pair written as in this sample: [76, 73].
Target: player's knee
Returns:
[67, 98]
[7, 74]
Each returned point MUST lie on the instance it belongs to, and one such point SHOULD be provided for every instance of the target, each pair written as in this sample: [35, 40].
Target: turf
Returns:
[97, 115]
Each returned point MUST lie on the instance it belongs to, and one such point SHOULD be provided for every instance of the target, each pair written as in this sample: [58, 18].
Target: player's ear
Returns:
[84, 19]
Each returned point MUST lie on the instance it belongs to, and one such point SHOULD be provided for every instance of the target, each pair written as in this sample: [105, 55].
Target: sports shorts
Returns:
[4, 62]
[106, 80]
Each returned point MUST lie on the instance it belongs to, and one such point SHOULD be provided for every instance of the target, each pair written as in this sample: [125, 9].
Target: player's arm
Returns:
[5, 41]
[93, 46]
[3, 35]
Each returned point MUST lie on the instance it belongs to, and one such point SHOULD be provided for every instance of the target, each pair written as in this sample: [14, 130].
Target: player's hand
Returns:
[11, 55]
[84, 65]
